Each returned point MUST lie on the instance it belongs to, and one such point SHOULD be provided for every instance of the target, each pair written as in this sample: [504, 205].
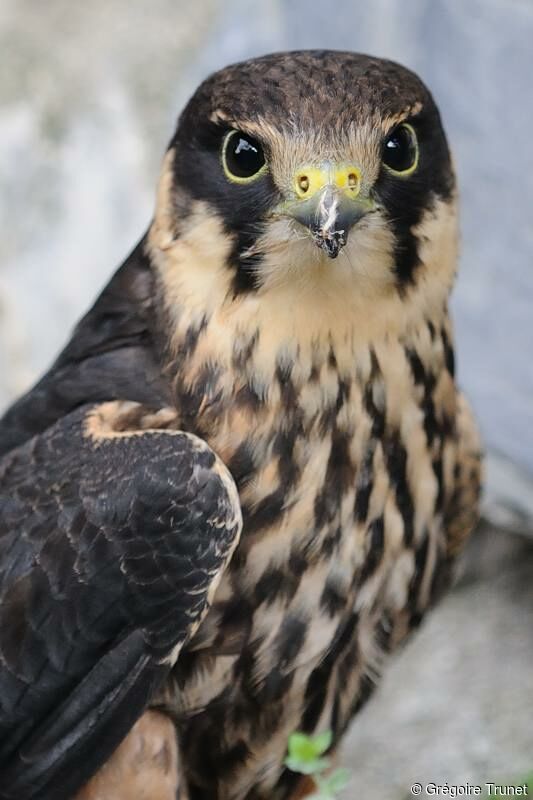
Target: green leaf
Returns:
[307, 767]
[322, 742]
[307, 748]
[301, 748]
[305, 756]
[337, 781]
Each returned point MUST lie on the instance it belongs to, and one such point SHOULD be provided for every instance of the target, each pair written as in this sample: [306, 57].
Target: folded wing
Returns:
[113, 537]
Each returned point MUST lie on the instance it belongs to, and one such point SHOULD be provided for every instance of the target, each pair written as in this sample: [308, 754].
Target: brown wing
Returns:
[112, 541]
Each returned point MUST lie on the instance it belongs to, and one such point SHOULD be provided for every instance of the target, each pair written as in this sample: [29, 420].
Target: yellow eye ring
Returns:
[243, 159]
[401, 148]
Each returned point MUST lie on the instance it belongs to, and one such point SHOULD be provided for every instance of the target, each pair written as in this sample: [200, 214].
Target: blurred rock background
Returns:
[89, 94]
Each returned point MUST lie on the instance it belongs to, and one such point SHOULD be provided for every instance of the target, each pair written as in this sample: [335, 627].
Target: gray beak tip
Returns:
[331, 243]
[329, 215]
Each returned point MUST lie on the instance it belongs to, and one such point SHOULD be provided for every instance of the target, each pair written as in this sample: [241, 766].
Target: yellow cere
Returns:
[310, 180]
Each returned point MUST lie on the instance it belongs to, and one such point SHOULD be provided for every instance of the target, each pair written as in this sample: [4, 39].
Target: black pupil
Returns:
[399, 152]
[244, 156]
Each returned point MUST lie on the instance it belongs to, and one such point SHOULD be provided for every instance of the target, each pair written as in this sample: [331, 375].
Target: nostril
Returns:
[303, 183]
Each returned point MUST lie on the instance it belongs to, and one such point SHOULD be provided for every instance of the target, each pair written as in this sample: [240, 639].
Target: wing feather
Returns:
[112, 542]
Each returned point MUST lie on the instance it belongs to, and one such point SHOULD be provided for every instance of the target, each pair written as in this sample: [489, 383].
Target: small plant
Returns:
[306, 755]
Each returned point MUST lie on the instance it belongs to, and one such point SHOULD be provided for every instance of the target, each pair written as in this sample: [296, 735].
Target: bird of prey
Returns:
[276, 353]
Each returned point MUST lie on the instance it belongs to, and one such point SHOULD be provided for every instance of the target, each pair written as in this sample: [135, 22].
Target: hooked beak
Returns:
[329, 203]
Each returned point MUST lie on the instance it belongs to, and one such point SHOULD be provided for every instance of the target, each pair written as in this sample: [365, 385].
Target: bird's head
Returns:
[313, 166]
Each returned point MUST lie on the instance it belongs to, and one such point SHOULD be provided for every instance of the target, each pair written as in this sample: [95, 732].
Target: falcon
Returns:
[275, 355]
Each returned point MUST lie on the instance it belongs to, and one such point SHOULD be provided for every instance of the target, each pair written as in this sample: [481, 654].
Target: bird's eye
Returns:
[242, 157]
[400, 150]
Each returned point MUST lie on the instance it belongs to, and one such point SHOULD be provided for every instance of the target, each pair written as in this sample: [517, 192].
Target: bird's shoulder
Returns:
[112, 354]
